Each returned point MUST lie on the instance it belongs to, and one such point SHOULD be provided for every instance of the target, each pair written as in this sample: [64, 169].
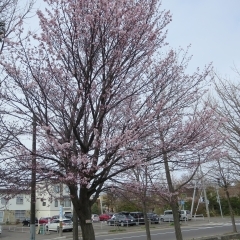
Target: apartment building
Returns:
[15, 208]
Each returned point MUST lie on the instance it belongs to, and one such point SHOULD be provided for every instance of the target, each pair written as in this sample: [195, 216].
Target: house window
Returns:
[1, 216]
[19, 199]
[20, 214]
[3, 201]
[67, 203]
[56, 203]
[67, 189]
[44, 203]
[56, 188]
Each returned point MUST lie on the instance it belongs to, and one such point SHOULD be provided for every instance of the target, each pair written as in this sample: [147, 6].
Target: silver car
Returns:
[54, 225]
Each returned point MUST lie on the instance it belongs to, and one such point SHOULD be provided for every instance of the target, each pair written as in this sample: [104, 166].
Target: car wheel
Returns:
[122, 224]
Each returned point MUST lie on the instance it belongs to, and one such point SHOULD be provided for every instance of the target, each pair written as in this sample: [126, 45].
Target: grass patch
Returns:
[117, 230]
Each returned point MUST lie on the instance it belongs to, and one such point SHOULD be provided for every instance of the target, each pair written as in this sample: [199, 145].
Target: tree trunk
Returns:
[83, 209]
[75, 225]
[147, 226]
[231, 211]
[176, 218]
[173, 200]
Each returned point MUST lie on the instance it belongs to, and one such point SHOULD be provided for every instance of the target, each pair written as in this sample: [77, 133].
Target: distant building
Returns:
[15, 208]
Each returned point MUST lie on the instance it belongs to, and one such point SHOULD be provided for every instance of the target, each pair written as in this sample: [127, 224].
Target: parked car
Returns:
[105, 217]
[138, 216]
[44, 220]
[122, 220]
[26, 222]
[95, 218]
[185, 215]
[55, 217]
[68, 215]
[167, 216]
[54, 225]
[153, 218]
[124, 212]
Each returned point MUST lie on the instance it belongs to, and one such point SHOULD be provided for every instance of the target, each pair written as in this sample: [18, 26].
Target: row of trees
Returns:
[114, 106]
[125, 201]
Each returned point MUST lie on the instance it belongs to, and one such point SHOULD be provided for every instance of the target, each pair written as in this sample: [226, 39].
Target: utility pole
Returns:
[33, 182]
[193, 198]
[61, 210]
[205, 195]
[2, 30]
[219, 201]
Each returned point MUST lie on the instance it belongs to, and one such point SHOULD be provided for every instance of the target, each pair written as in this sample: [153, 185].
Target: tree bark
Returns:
[231, 211]
[75, 225]
[83, 209]
[147, 225]
[173, 200]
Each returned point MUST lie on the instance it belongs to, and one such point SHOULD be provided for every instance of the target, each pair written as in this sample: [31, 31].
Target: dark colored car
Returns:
[121, 220]
[26, 222]
[153, 217]
[138, 216]
[68, 215]
[105, 217]
[124, 213]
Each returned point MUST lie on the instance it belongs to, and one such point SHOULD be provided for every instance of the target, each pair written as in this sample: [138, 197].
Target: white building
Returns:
[48, 202]
[15, 209]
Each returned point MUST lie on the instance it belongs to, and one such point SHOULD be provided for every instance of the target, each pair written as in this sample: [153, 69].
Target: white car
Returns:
[54, 225]
[168, 216]
[95, 218]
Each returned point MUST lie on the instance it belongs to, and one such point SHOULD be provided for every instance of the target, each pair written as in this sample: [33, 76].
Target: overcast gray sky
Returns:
[212, 27]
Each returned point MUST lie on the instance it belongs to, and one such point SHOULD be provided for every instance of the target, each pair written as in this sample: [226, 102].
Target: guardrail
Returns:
[18, 229]
[198, 217]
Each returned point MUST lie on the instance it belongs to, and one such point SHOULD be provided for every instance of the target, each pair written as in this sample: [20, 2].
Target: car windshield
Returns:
[67, 221]
[151, 214]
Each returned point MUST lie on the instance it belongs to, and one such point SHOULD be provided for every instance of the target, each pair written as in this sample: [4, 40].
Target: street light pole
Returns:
[219, 201]
[2, 30]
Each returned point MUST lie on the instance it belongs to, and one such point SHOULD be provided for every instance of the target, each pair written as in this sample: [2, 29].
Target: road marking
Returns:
[173, 232]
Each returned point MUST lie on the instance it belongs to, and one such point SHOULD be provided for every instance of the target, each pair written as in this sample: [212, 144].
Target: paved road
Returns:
[189, 233]
[22, 233]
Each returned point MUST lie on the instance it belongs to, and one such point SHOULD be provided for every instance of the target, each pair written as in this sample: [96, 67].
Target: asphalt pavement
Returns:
[17, 232]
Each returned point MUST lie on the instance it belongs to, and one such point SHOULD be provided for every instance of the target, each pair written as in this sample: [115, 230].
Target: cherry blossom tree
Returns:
[185, 131]
[12, 13]
[100, 88]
